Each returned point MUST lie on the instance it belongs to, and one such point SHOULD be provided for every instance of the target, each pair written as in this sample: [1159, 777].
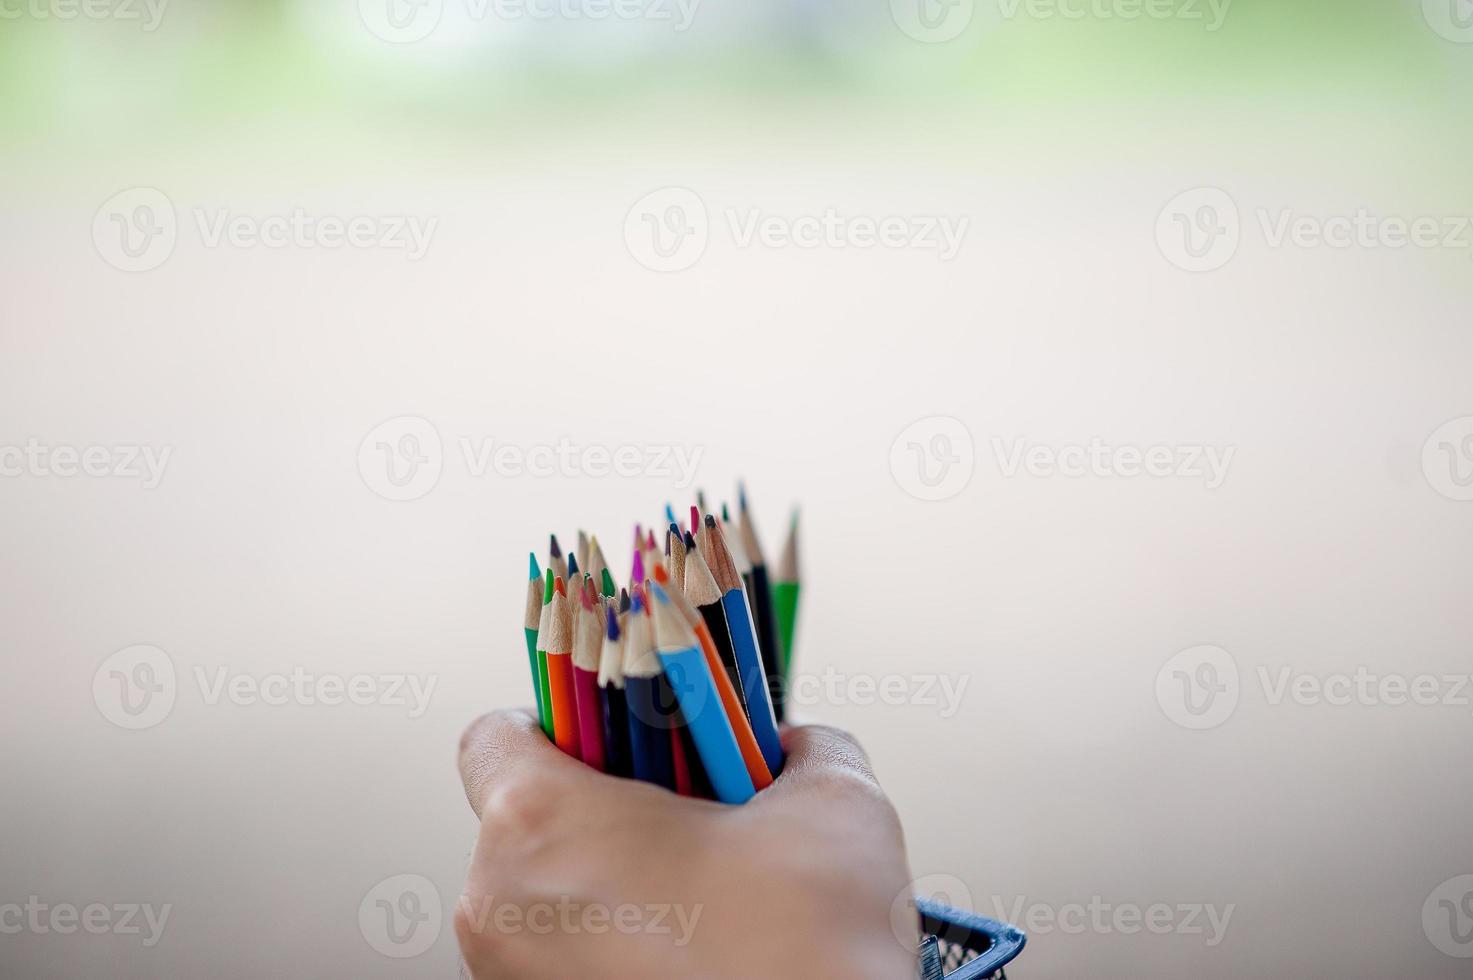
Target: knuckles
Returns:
[522, 802]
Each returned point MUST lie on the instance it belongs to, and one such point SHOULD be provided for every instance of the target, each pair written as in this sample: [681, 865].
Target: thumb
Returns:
[823, 759]
[507, 744]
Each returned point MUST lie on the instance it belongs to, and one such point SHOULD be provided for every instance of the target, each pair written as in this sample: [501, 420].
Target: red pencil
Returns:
[588, 632]
[560, 673]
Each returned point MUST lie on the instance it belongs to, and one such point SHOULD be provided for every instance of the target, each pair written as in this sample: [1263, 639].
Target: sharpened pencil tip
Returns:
[552, 546]
[572, 565]
[710, 520]
[611, 623]
[690, 541]
[533, 571]
[559, 586]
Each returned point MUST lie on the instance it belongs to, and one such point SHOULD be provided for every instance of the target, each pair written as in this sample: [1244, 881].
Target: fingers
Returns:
[499, 745]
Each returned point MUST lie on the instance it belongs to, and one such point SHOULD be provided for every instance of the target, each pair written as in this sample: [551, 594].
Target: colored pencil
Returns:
[588, 633]
[744, 644]
[582, 551]
[531, 622]
[785, 596]
[611, 685]
[560, 673]
[544, 634]
[680, 761]
[649, 725]
[555, 559]
[598, 566]
[705, 595]
[636, 574]
[675, 541]
[700, 706]
[750, 753]
[760, 595]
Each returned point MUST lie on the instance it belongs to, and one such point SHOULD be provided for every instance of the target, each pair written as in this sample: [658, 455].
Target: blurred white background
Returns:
[1334, 542]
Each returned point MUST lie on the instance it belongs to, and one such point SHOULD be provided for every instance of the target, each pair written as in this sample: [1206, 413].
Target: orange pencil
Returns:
[560, 673]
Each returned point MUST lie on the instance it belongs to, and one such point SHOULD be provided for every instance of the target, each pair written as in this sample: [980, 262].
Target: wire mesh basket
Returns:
[960, 945]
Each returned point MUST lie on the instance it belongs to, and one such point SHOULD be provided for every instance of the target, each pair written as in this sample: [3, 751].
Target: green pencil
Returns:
[544, 701]
[785, 586]
[530, 626]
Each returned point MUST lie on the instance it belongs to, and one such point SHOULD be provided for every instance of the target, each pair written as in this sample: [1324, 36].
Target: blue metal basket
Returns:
[962, 945]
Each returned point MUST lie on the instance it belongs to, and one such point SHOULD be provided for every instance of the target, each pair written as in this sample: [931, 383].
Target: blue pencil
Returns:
[649, 721]
[690, 678]
[615, 704]
[744, 644]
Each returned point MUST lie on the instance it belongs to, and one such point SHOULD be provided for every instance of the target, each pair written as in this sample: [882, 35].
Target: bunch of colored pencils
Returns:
[678, 677]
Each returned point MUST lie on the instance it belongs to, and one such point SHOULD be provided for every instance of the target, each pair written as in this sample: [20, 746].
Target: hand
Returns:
[580, 874]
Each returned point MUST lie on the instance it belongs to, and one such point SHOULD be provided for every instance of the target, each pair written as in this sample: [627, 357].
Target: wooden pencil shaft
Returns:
[714, 617]
[616, 731]
[760, 598]
[649, 737]
[706, 722]
[754, 680]
[590, 717]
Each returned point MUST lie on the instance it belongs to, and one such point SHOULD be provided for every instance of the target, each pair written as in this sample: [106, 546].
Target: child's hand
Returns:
[579, 874]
